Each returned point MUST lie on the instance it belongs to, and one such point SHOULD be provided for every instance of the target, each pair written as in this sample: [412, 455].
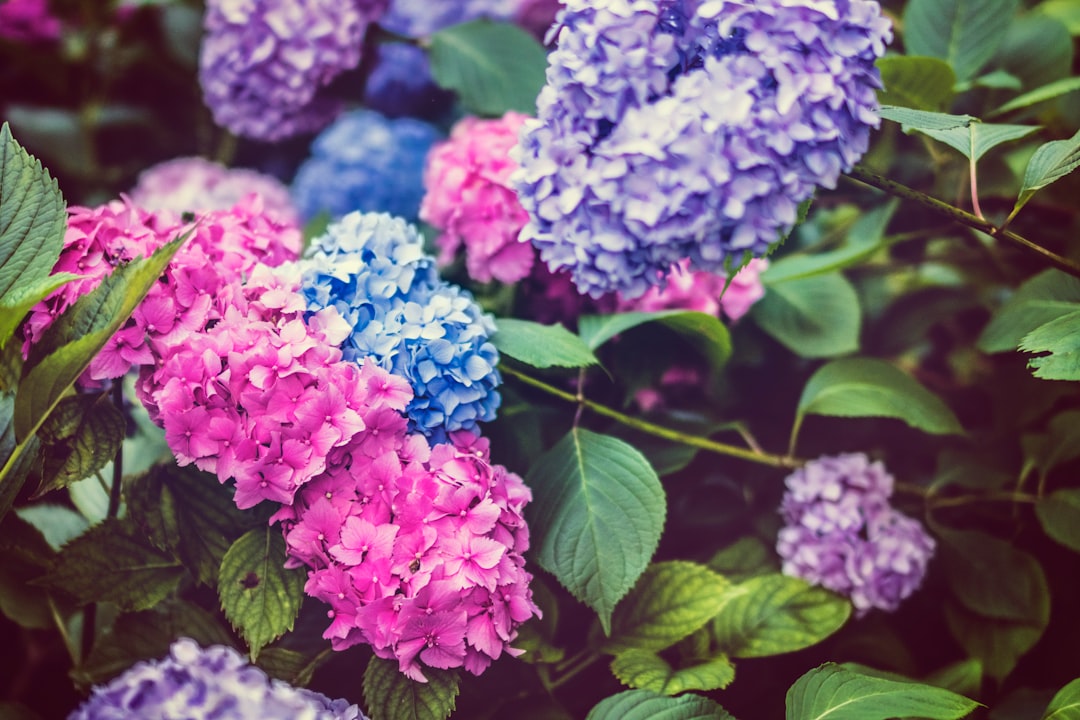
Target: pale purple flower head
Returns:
[213, 682]
[841, 533]
[263, 63]
[675, 129]
[418, 18]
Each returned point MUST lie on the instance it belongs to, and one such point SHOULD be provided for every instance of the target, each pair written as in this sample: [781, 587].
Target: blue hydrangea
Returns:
[675, 129]
[400, 84]
[215, 682]
[841, 533]
[373, 270]
[419, 18]
[365, 162]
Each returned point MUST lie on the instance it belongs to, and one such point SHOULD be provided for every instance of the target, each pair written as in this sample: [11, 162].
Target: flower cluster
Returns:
[841, 533]
[212, 682]
[28, 20]
[263, 62]
[196, 184]
[372, 269]
[418, 550]
[703, 292]
[400, 83]
[365, 162]
[468, 198]
[418, 18]
[679, 129]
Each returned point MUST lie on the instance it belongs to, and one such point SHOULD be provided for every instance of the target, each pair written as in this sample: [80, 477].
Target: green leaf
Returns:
[1061, 340]
[745, 558]
[671, 600]
[1042, 94]
[1050, 163]
[493, 67]
[293, 667]
[923, 120]
[963, 677]
[596, 517]
[92, 435]
[259, 596]
[775, 614]
[865, 238]
[58, 523]
[836, 693]
[647, 670]
[15, 304]
[978, 138]
[647, 705]
[33, 218]
[867, 387]
[964, 33]
[1059, 515]
[813, 317]
[1067, 11]
[997, 644]
[1037, 49]
[27, 556]
[541, 346]
[44, 385]
[1043, 298]
[991, 577]
[922, 83]
[1066, 704]
[706, 332]
[392, 696]
[112, 562]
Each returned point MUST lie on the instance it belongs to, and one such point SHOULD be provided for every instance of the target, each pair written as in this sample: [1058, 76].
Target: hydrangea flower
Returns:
[469, 199]
[28, 21]
[418, 18]
[263, 63]
[418, 550]
[536, 15]
[212, 682]
[196, 184]
[679, 129]
[400, 83]
[365, 162]
[841, 533]
[372, 269]
[701, 291]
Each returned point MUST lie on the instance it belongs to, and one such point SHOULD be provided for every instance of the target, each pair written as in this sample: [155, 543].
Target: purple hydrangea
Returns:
[400, 83]
[675, 129]
[263, 63]
[418, 18]
[215, 682]
[368, 163]
[841, 533]
[373, 270]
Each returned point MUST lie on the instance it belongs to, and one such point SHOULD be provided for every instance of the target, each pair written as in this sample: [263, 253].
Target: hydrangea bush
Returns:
[538, 358]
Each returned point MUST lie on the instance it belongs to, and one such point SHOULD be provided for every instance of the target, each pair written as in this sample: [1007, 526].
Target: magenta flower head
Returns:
[195, 184]
[417, 549]
[684, 129]
[28, 21]
[469, 198]
[264, 63]
[213, 682]
[703, 292]
[841, 533]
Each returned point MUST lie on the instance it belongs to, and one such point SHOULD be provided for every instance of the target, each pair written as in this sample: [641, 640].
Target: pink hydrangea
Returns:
[418, 550]
[27, 21]
[196, 184]
[701, 291]
[469, 199]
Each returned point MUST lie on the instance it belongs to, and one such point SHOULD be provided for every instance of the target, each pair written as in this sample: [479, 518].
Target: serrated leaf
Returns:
[1061, 340]
[97, 436]
[1051, 162]
[775, 614]
[493, 67]
[704, 331]
[596, 517]
[389, 695]
[814, 317]
[260, 597]
[1047, 296]
[541, 346]
[670, 601]
[33, 218]
[922, 120]
[111, 562]
[922, 83]
[836, 693]
[291, 666]
[867, 387]
[1066, 703]
[1059, 515]
[647, 705]
[648, 671]
[15, 304]
[978, 138]
[43, 386]
[964, 33]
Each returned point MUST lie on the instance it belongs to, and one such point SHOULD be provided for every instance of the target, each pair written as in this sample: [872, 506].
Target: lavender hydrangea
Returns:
[263, 63]
[373, 270]
[215, 682]
[841, 533]
[401, 84]
[365, 162]
[675, 129]
[418, 18]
